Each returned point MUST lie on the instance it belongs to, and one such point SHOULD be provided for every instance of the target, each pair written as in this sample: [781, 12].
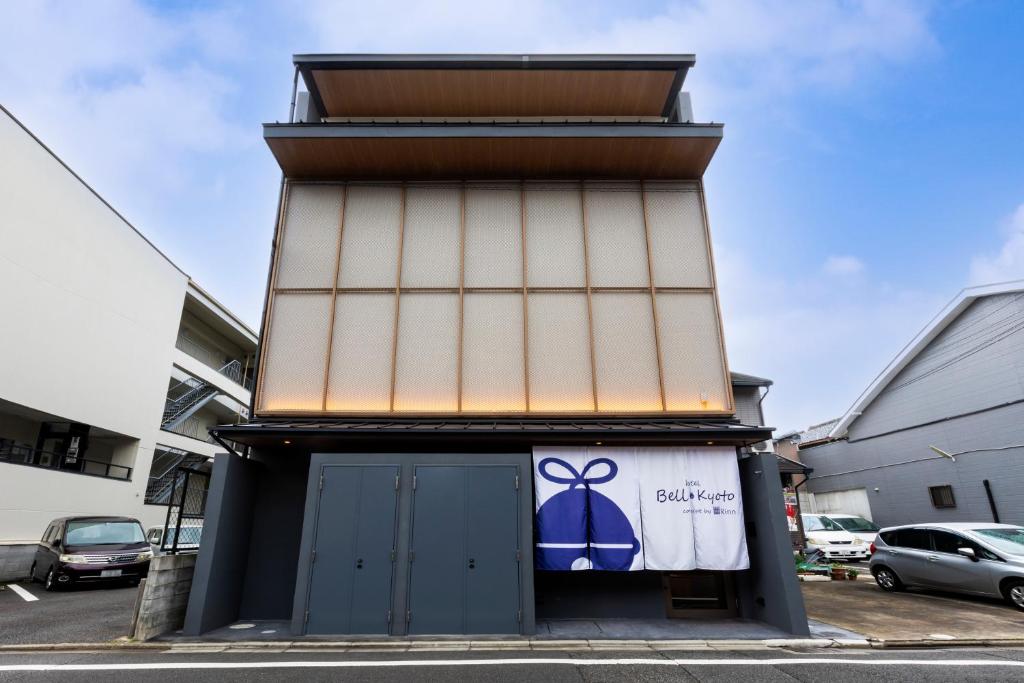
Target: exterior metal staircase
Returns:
[165, 467]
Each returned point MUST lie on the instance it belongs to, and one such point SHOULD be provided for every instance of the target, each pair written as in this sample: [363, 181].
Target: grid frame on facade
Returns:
[502, 282]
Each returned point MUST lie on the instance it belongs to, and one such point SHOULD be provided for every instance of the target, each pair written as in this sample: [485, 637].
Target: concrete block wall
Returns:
[165, 596]
[16, 560]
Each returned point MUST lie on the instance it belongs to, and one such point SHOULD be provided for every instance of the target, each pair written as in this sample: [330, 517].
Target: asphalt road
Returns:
[86, 614]
[835, 666]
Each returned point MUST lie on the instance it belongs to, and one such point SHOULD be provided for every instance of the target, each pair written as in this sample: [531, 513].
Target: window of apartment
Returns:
[494, 297]
[942, 496]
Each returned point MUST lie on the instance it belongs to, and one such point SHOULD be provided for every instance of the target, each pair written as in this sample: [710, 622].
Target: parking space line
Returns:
[25, 595]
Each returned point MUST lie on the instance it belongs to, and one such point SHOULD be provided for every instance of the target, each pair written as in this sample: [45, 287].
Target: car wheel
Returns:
[887, 580]
[1014, 592]
[51, 580]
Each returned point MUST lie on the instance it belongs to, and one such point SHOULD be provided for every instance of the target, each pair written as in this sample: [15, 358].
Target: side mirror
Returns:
[968, 552]
[55, 542]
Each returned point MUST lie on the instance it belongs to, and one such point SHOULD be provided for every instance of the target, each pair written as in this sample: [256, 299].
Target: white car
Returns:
[864, 529]
[188, 539]
[833, 541]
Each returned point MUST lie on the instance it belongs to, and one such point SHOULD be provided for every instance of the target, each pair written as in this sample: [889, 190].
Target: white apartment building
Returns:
[113, 362]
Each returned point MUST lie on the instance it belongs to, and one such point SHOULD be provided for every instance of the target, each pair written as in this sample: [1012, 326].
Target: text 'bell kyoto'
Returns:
[492, 392]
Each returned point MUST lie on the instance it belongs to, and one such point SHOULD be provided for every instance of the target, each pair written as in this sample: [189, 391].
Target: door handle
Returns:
[933, 558]
[894, 552]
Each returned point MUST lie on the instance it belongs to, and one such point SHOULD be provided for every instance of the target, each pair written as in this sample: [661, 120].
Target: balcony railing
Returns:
[23, 455]
[232, 369]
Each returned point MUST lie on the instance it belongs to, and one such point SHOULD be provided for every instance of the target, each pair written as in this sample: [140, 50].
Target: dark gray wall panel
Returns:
[276, 531]
[769, 590]
[216, 593]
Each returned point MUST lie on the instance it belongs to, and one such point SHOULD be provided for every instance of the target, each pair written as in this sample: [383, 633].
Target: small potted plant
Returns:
[852, 574]
[838, 571]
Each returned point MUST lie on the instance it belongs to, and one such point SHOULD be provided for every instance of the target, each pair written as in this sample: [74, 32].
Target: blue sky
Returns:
[873, 161]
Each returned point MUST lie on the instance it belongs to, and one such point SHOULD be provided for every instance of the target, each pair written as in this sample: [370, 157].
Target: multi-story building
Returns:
[938, 435]
[113, 362]
[492, 353]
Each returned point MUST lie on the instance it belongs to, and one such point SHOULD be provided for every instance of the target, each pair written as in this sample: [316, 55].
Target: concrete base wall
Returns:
[15, 561]
[165, 596]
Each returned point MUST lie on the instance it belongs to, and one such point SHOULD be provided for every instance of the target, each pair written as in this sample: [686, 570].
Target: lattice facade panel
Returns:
[296, 353]
[691, 352]
[559, 346]
[369, 243]
[625, 354]
[615, 231]
[426, 368]
[410, 298]
[679, 245]
[359, 379]
[309, 241]
[494, 244]
[432, 236]
[493, 374]
[554, 235]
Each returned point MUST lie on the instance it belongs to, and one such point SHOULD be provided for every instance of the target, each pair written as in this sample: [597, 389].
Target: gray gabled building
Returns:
[939, 435]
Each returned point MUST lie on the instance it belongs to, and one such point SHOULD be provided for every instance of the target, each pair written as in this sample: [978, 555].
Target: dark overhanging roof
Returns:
[740, 379]
[651, 82]
[490, 432]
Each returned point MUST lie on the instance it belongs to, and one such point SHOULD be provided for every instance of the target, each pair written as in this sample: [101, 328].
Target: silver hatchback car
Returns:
[980, 559]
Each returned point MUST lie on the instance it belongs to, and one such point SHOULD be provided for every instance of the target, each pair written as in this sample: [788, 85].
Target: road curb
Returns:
[522, 645]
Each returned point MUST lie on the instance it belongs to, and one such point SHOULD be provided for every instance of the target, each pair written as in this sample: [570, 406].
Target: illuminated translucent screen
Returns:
[493, 298]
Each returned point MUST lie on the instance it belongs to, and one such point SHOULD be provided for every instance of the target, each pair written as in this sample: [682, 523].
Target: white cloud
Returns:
[822, 343]
[843, 265]
[1008, 262]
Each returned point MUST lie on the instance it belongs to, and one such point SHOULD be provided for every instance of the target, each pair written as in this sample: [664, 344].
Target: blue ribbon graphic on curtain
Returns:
[580, 528]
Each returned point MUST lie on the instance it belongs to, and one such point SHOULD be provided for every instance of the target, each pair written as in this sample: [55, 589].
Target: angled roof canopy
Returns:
[507, 85]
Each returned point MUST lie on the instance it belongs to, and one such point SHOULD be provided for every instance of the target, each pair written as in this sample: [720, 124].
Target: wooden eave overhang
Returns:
[450, 151]
[446, 85]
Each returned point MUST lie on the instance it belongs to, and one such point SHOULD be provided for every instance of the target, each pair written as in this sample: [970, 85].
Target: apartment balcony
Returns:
[31, 438]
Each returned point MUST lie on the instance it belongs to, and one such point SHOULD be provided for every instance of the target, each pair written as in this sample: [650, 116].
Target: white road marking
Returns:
[25, 595]
[803, 661]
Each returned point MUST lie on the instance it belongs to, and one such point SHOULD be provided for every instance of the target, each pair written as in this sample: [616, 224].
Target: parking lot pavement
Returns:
[88, 614]
[863, 607]
[612, 667]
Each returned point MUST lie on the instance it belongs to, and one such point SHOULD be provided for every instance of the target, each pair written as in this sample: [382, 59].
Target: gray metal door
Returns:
[353, 561]
[492, 547]
[464, 569]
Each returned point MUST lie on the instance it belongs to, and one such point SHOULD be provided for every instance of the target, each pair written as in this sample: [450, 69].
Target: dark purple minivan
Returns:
[91, 549]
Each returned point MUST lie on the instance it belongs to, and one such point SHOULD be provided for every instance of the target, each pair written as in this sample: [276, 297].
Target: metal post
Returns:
[295, 89]
[991, 501]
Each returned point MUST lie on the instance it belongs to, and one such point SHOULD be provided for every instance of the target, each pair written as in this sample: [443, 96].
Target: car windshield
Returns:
[103, 533]
[1008, 540]
[815, 523]
[858, 524]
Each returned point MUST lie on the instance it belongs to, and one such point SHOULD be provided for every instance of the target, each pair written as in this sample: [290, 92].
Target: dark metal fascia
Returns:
[569, 62]
[313, 89]
[672, 100]
[493, 130]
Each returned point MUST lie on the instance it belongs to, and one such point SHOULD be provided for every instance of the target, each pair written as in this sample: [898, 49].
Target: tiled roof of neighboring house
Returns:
[811, 434]
[741, 380]
[935, 327]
